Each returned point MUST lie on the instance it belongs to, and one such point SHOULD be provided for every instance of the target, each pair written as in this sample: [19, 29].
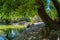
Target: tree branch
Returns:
[42, 13]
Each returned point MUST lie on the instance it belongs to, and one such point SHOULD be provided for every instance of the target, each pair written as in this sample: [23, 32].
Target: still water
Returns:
[12, 35]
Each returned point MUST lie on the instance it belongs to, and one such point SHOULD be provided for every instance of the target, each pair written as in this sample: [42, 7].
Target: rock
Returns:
[31, 32]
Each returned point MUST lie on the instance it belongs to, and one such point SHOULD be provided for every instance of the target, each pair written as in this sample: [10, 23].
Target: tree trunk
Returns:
[42, 13]
[50, 24]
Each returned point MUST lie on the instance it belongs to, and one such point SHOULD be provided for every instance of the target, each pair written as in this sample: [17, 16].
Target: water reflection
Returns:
[13, 33]
[3, 38]
[9, 35]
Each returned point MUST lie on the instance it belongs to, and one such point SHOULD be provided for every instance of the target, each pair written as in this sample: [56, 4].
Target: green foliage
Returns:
[52, 12]
[16, 9]
[58, 0]
[12, 9]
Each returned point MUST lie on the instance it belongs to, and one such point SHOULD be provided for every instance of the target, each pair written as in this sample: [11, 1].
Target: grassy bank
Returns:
[11, 27]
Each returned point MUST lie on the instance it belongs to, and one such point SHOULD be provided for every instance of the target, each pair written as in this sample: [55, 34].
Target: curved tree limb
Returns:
[50, 24]
[42, 13]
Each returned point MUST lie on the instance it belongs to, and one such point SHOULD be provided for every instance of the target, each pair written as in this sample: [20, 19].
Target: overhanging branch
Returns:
[42, 13]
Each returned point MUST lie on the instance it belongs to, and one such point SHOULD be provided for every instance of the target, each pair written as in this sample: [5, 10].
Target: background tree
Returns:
[15, 9]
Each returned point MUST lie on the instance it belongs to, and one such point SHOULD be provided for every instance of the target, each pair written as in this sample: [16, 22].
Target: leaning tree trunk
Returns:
[50, 24]
[48, 21]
